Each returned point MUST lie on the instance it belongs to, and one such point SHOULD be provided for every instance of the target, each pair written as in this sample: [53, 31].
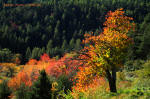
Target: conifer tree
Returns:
[41, 89]
[28, 53]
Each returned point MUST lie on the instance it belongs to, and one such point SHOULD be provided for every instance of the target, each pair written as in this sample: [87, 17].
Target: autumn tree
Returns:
[105, 52]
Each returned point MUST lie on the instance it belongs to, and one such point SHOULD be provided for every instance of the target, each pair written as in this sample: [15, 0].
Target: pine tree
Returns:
[64, 45]
[43, 50]
[49, 44]
[78, 44]
[49, 47]
[36, 53]
[41, 89]
[57, 31]
[71, 44]
[28, 53]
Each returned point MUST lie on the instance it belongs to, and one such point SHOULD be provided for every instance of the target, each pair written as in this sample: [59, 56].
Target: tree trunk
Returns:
[112, 80]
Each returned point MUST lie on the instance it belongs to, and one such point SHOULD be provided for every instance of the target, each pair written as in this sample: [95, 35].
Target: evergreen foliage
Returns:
[41, 89]
[63, 20]
[23, 92]
[4, 90]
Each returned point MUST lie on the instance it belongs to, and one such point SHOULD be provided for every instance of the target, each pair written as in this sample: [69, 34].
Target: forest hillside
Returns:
[74, 49]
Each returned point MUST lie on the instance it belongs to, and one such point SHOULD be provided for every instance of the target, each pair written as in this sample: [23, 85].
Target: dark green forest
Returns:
[58, 26]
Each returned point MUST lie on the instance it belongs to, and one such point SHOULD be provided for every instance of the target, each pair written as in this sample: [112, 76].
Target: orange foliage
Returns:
[21, 77]
[45, 58]
[65, 65]
[54, 68]
[7, 64]
[33, 67]
[9, 68]
[105, 51]
[32, 62]
[30, 72]
[97, 83]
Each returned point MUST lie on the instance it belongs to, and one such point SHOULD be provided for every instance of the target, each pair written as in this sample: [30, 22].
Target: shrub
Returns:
[133, 65]
[143, 79]
[4, 90]
[146, 69]
[23, 92]
[121, 76]
[64, 83]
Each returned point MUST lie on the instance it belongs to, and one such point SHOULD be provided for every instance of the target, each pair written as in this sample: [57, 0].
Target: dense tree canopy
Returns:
[63, 21]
